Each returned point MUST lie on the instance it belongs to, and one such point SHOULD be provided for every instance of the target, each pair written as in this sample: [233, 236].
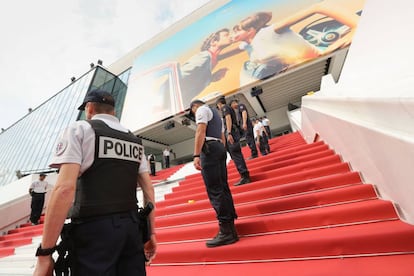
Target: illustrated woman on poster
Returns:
[274, 48]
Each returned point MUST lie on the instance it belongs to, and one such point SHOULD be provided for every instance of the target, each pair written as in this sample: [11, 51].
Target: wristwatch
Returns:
[44, 251]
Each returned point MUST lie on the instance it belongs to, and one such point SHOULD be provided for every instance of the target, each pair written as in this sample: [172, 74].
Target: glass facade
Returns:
[116, 85]
[27, 146]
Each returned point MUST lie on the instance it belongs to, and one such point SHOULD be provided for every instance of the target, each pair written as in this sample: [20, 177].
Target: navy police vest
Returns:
[214, 126]
[109, 185]
[225, 110]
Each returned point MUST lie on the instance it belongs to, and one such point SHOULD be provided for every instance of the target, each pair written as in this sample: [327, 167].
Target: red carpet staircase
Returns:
[163, 174]
[18, 237]
[305, 213]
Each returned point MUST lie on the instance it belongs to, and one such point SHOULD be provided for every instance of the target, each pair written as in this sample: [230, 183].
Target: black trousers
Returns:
[152, 166]
[266, 142]
[38, 200]
[214, 172]
[268, 131]
[236, 154]
[110, 246]
[167, 161]
[262, 145]
[250, 141]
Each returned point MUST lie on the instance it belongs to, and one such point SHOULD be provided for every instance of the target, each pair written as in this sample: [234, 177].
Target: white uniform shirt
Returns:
[258, 128]
[77, 144]
[265, 122]
[166, 152]
[39, 186]
[204, 115]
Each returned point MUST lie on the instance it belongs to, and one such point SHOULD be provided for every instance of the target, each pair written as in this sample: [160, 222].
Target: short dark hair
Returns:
[213, 37]
[255, 21]
[196, 102]
[192, 104]
[103, 108]
[234, 100]
[221, 100]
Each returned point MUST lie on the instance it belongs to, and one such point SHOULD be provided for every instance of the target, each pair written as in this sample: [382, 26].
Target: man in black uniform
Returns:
[233, 140]
[245, 124]
[210, 157]
[100, 165]
[151, 160]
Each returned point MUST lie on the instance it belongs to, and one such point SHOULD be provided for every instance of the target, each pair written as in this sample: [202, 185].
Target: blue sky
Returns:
[46, 42]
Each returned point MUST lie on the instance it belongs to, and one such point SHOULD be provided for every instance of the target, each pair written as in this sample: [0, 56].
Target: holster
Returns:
[144, 222]
[63, 264]
[205, 149]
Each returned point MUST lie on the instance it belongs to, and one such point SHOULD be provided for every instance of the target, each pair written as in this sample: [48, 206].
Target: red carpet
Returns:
[165, 173]
[305, 213]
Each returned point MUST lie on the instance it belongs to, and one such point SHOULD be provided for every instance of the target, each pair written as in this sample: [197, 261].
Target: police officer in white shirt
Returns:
[259, 136]
[100, 165]
[266, 124]
[166, 154]
[210, 157]
[37, 190]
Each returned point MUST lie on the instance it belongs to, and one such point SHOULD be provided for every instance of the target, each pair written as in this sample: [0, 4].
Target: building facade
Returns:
[295, 43]
[27, 146]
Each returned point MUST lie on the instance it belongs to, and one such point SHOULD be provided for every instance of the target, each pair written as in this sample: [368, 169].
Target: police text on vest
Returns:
[119, 149]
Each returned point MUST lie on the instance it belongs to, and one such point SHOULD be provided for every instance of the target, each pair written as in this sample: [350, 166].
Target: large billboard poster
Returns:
[240, 43]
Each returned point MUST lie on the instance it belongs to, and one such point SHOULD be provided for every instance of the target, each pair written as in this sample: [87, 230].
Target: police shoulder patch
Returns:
[61, 147]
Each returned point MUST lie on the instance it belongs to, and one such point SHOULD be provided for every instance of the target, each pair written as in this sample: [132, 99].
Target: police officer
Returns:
[151, 160]
[245, 124]
[110, 162]
[210, 157]
[37, 190]
[233, 140]
[266, 124]
[260, 137]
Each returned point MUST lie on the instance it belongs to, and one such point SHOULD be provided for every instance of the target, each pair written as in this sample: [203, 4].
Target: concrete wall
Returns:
[278, 119]
[15, 201]
[368, 115]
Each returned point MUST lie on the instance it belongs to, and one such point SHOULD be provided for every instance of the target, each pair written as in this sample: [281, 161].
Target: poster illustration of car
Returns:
[236, 45]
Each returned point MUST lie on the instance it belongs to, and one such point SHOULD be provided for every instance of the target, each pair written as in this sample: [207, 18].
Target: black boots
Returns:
[226, 235]
[243, 180]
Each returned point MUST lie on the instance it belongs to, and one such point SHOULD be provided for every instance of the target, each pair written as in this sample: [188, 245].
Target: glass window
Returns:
[28, 145]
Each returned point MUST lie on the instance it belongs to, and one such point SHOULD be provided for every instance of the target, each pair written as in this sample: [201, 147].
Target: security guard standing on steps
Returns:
[151, 161]
[245, 124]
[37, 191]
[210, 157]
[233, 140]
[100, 165]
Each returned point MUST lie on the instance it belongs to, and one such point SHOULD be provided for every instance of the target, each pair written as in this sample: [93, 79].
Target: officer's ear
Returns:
[90, 108]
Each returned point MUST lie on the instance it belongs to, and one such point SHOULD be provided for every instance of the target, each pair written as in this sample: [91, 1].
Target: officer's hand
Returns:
[150, 249]
[197, 163]
[244, 126]
[230, 139]
[44, 266]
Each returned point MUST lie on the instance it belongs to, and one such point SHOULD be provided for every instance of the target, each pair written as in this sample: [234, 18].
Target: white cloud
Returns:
[46, 42]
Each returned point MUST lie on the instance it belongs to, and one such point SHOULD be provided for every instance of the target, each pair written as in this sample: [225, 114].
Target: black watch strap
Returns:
[44, 251]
